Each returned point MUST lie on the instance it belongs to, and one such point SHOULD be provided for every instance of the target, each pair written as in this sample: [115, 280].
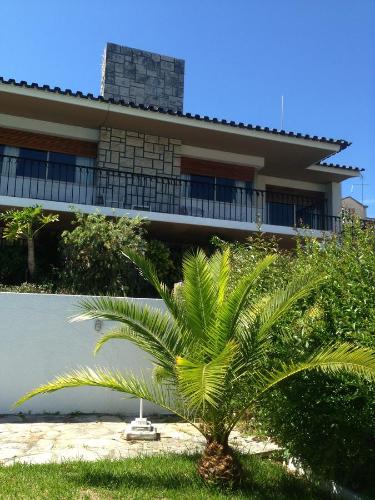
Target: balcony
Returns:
[81, 185]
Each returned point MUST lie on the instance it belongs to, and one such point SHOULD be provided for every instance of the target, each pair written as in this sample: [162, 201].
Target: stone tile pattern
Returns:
[54, 438]
[135, 152]
[142, 77]
[131, 152]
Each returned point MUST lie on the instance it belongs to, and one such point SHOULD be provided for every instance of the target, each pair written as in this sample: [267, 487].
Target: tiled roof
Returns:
[57, 90]
[344, 167]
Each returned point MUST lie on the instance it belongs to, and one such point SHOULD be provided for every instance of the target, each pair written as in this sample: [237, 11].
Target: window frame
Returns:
[220, 189]
[30, 166]
[70, 168]
[68, 171]
[202, 187]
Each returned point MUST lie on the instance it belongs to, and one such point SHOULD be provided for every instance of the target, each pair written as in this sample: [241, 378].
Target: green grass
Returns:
[154, 477]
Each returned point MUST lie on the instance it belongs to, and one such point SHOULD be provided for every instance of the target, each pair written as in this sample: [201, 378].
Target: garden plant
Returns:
[213, 350]
[92, 255]
[25, 224]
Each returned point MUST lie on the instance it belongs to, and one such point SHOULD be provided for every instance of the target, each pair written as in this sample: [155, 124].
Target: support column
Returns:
[334, 198]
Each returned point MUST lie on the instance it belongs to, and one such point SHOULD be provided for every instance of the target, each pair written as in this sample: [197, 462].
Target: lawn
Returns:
[153, 477]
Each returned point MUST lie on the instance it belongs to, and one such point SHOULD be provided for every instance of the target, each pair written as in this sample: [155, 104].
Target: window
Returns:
[32, 163]
[52, 166]
[281, 214]
[61, 167]
[202, 187]
[225, 190]
[43, 164]
[288, 214]
[212, 188]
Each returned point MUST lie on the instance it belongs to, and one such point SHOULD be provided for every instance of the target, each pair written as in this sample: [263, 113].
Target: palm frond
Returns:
[122, 333]
[148, 271]
[233, 307]
[162, 375]
[149, 345]
[220, 268]
[150, 327]
[332, 359]
[281, 301]
[199, 293]
[135, 387]
[252, 348]
[204, 384]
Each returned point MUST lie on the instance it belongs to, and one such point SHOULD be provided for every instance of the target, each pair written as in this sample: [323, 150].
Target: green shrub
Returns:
[13, 268]
[166, 261]
[326, 422]
[25, 224]
[28, 288]
[93, 262]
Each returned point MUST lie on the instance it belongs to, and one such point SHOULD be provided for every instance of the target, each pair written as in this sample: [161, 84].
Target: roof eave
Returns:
[89, 101]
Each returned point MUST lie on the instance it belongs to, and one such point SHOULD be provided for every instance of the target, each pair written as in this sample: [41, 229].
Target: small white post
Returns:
[141, 428]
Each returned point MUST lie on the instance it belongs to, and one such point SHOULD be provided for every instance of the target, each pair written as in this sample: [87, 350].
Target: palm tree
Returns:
[212, 350]
[25, 224]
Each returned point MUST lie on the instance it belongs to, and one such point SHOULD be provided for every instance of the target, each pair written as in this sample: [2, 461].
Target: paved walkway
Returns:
[56, 438]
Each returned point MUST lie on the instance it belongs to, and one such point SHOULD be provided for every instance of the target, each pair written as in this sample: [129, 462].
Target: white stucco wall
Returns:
[332, 190]
[261, 181]
[38, 342]
[334, 197]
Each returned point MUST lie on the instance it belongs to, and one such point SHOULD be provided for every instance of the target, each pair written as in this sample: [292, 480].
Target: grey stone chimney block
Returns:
[142, 77]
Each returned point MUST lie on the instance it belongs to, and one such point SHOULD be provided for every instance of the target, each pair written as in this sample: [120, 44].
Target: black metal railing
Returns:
[82, 185]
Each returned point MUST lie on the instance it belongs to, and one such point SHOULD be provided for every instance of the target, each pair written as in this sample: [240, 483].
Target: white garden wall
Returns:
[37, 342]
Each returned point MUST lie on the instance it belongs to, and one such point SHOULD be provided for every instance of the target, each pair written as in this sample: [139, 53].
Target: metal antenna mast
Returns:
[282, 113]
[362, 186]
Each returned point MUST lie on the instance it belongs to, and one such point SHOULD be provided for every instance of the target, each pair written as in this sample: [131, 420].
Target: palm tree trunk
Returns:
[31, 257]
[218, 464]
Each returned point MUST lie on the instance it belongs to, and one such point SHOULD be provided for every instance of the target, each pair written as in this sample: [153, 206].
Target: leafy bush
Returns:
[25, 224]
[166, 261]
[13, 267]
[93, 262]
[28, 288]
[327, 422]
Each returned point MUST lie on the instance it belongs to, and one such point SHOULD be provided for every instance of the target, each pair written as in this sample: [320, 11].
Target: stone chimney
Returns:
[142, 77]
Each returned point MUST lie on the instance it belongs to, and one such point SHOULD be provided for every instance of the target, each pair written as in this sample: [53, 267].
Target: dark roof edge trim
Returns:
[342, 167]
[57, 90]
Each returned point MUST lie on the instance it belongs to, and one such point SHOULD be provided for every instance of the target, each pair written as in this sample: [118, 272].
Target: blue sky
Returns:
[241, 56]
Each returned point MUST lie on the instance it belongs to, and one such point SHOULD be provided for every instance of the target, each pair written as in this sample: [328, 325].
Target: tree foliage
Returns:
[93, 260]
[325, 421]
[25, 224]
[92, 254]
[214, 349]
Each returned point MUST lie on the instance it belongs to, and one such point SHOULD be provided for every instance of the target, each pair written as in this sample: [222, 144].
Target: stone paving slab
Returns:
[37, 439]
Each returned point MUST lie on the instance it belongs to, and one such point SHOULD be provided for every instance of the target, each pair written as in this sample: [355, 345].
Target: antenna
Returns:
[282, 113]
[362, 186]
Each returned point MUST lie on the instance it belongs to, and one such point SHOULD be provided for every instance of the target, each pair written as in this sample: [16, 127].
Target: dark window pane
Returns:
[310, 216]
[61, 167]
[202, 187]
[281, 214]
[225, 190]
[32, 163]
[33, 154]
